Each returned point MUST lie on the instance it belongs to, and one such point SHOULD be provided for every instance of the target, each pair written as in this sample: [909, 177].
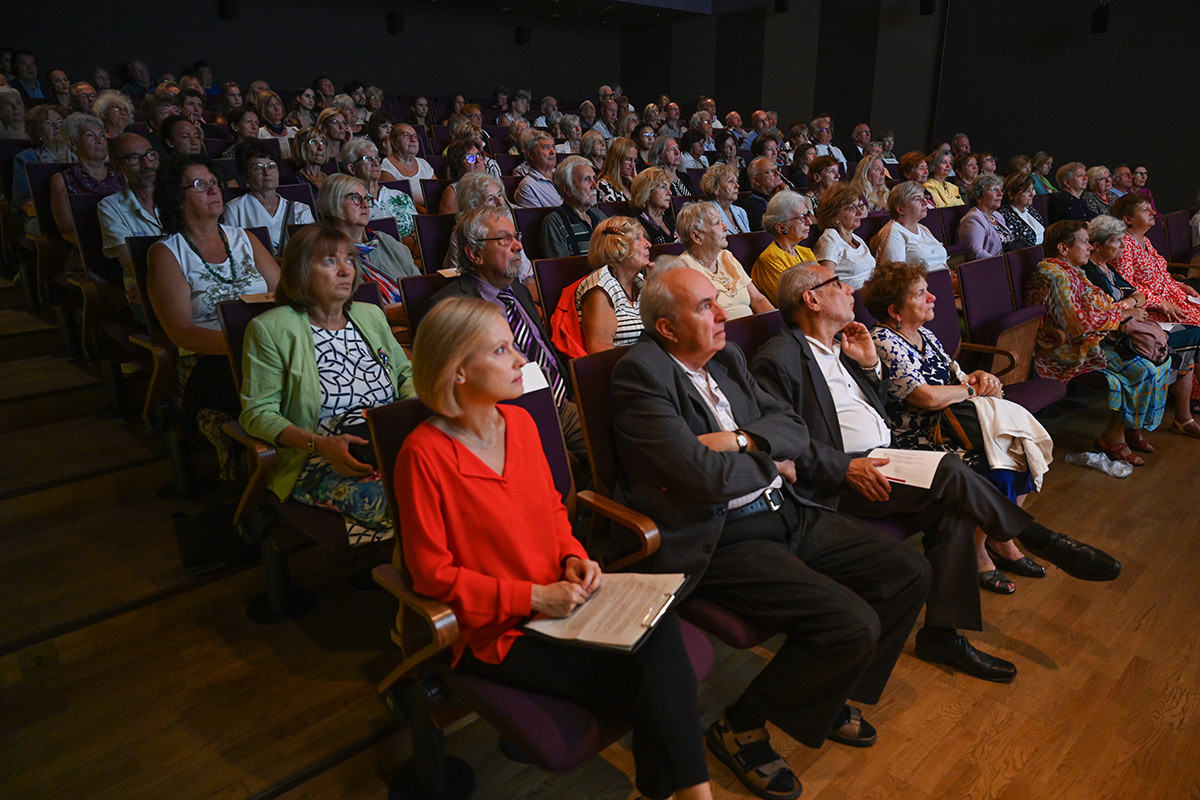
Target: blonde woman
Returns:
[870, 179]
[615, 181]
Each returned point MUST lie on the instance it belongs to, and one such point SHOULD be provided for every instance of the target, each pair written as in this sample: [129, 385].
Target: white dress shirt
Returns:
[862, 428]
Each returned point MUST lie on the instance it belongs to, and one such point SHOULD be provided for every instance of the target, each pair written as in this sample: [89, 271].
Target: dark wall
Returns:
[442, 50]
[1035, 78]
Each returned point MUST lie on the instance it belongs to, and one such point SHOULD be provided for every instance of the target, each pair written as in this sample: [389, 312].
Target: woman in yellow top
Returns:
[788, 218]
[944, 192]
[702, 230]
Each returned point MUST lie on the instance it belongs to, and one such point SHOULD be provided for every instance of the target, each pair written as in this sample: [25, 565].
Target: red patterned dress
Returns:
[1142, 266]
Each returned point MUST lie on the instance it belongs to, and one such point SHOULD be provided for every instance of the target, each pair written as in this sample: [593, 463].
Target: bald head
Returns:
[130, 147]
[680, 308]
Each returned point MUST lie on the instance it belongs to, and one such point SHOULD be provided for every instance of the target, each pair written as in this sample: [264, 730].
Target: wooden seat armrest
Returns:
[643, 527]
[162, 368]
[1055, 336]
[996, 351]
[424, 627]
[261, 459]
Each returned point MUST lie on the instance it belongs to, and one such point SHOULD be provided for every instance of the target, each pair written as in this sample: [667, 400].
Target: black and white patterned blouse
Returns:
[351, 377]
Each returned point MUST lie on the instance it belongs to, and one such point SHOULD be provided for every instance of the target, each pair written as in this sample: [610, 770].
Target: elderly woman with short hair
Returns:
[823, 173]
[85, 137]
[692, 146]
[914, 166]
[262, 205]
[295, 393]
[462, 156]
[721, 182]
[1039, 166]
[477, 189]
[1022, 218]
[116, 109]
[666, 155]
[1098, 196]
[702, 229]
[12, 114]
[571, 129]
[788, 219]
[870, 179]
[983, 229]
[1069, 203]
[607, 299]
[615, 179]
[1085, 315]
[943, 192]
[404, 164]
[904, 238]
[966, 170]
[344, 203]
[651, 198]
[361, 159]
[44, 126]
[839, 247]
[594, 147]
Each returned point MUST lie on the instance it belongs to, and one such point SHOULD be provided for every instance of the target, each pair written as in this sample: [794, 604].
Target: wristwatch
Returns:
[743, 441]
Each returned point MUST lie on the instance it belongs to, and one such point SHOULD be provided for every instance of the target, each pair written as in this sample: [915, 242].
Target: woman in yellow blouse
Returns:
[943, 191]
[788, 218]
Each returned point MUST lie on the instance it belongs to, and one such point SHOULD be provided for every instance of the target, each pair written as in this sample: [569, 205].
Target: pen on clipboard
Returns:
[656, 611]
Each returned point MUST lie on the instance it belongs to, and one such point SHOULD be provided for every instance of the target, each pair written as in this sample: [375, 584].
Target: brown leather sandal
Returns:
[752, 759]
[854, 731]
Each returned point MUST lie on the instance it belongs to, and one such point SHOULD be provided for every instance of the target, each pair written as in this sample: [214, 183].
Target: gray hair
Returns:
[902, 193]
[657, 300]
[698, 119]
[74, 123]
[793, 283]
[1103, 227]
[564, 173]
[109, 98]
[333, 191]
[532, 137]
[694, 216]
[473, 187]
[1095, 173]
[344, 103]
[566, 121]
[356, 148]
[980, 185]
[472, 230]
[654, 157]
[6, 90]
[781, 207]
[517, 127]
[548, 101]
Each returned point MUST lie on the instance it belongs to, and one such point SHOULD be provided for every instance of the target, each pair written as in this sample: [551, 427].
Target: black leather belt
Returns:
[768, 502]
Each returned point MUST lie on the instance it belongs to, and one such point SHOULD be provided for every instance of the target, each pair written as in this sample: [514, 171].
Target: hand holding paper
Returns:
[911, 467]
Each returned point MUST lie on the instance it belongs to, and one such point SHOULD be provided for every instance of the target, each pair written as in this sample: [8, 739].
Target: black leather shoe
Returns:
[1024, 566]
[1078, 560]
[959, 654]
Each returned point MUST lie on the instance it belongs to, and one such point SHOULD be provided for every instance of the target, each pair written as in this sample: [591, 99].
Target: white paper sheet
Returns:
[626, 605]
[910, 467]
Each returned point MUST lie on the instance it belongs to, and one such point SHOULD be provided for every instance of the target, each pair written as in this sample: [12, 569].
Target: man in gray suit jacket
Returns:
[835, 387]
[707, 455]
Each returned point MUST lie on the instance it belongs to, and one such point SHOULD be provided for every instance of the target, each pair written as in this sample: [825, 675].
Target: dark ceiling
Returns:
[609, 12]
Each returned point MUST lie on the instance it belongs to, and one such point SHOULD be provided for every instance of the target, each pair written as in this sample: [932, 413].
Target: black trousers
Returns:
[656, 683]
[845, 595]
[959, 500]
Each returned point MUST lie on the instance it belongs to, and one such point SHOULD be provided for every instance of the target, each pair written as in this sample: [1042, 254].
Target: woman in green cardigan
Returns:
[310, 366]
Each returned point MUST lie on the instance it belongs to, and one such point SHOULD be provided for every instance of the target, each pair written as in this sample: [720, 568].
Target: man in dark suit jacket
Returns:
[491, 265]
[706, 454]
[817, 308]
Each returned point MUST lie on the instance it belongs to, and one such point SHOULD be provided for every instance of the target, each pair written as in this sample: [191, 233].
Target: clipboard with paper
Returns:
[618, 615]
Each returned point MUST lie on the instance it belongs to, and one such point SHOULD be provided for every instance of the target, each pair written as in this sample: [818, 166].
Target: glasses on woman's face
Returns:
[470, 158]
[857, 206]
[264, 166]
[371, 160]
[201, 185]
[358, 199]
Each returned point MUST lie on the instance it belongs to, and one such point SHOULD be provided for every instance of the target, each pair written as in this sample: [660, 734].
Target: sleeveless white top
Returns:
[215, 283]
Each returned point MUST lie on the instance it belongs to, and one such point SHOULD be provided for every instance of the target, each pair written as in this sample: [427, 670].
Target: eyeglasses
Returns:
[408, 135]
[358, 199]
[1141, 173]
[505, 239]
[470, 158]
[807, 216]
[835, 280]
[264, 166]
[372, 160]
[134, 159]
[857, 206]
[318, 142]
[201, 185]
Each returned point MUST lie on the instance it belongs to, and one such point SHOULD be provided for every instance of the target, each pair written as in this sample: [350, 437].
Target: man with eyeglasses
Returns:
[490, 268]
[1122, 178]
[708, 455]
[824, 366]
[765, 180]
[82, 97]
[822, 130]
[536, 189]
[130, 212]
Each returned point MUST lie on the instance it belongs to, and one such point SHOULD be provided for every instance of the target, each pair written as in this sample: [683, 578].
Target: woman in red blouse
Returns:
[485, 531]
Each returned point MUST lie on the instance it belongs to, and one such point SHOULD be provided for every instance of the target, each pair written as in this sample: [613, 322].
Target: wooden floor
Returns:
[122, 677]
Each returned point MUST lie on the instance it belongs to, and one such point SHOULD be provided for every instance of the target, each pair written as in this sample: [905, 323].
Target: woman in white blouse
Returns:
[839, 247]
[403, 164]
[1019, 214]
[905, 238]
[721, 181]
[361, 159]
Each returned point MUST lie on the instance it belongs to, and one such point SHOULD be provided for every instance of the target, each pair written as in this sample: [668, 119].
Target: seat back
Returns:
[263, 234]
[747, 247]
[1157, 237]
[933, 221]
[694, 175]
[8, 151]
[1041, 202]
[752, 332]
[1021, 265]
[433, 235]
[139, 248]
[555, 274]
[399, 186]
[872, 224]
[1179, 237]
[679, 201]
[617, 208]
[506, 162]
[668, 249]
[432, 188]
[415, 292]
[591, 379]
[511, 182]
[951, 216]
[945, 315]
[529, 223]
[385, 225]
[39, 188]
[90, 238]
[298, 193]
[438, 162]
[986, 295]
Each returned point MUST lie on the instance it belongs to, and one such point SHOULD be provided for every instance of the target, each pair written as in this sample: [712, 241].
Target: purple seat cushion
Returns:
[726, 626]
[326, 528]
[1035, 393]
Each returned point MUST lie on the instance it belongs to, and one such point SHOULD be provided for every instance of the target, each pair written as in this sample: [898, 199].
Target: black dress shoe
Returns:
[1078, 560]
[1024, 566]
[959, 653]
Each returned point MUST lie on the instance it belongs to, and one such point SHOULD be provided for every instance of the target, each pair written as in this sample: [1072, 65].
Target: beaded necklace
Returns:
[212, 273]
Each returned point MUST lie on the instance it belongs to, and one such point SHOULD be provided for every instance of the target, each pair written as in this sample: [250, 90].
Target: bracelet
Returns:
[970, 391]
[312, 445]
